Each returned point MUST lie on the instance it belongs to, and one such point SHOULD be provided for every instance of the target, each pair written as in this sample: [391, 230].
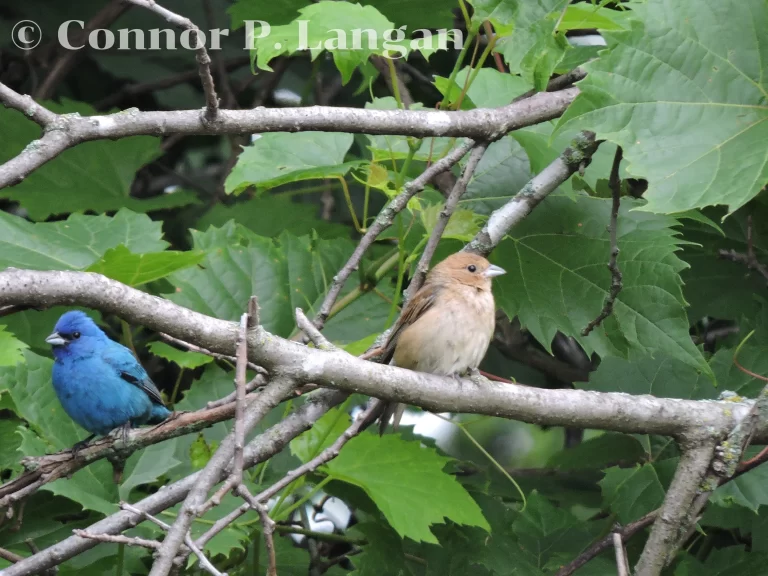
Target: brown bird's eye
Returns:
[472, 268]
[75, 335]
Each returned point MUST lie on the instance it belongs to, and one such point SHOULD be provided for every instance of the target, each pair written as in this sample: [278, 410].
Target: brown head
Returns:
[465, 268]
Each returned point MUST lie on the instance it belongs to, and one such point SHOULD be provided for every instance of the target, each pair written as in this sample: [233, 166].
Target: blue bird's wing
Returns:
[129, 369]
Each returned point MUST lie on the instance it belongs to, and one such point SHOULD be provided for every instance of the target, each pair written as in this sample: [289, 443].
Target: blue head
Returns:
[75, 336]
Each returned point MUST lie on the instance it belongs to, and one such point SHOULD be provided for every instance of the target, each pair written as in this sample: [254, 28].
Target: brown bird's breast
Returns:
[452, 336]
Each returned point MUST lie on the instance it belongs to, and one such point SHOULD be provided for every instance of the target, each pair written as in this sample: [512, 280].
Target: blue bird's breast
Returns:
[94, 395]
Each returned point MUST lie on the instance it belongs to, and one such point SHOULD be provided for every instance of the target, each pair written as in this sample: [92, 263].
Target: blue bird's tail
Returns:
[159, 414]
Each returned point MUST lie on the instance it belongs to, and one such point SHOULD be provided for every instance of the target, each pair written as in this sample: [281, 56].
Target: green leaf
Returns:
[76, 242]
[284, 273]
[586, 17]
[529, 42]
[323, 433]
[632, 492]
[407, 483]
[706, 102]
[657, 375]
[9, 457]
[147, 465]
[136, 269]
[332, 28]
[557, 279]
[182, 358]
[276, 13]
[200, 452]
[543, 530]
[500, 174]
[281, 157]
[90, 176]
[599, 452]
[415, 14]
[266, 215]
[383, 554]
[11, 349]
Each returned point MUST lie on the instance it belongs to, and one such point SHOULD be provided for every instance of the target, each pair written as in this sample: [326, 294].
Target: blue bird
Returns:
[100, 383]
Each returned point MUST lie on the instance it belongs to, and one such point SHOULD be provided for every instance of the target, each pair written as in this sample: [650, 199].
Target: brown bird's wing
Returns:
[424, 299]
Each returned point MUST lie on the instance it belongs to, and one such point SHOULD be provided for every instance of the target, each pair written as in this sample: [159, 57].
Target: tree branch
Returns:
[486, 124]
[445, 215]
[608, 411]
[383, 221]
[675, 514]
[613, 266]
[578, 154]
[258, 450]
[203, 60]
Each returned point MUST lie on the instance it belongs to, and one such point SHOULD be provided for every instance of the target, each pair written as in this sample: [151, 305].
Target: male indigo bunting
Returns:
[100, 383]
[447, 326]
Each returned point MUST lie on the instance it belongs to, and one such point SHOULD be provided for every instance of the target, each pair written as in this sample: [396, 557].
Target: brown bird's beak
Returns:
[494, 270]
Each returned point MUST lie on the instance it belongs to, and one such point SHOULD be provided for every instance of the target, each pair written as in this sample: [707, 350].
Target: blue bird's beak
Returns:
[55, 340]
[494, 270]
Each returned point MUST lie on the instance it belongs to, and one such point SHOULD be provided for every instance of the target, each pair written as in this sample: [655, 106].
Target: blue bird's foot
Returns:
[80, 445]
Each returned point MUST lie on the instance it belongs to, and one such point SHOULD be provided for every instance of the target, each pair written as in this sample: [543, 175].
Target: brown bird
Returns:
[447, 326]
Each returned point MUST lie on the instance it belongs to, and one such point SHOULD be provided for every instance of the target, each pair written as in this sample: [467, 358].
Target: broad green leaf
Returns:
[407, 483]
[284, 273]
[383, 553]
[491, 88]
[632, 492]
[200, 452]
[136, 269]
[360, 346]
[416, 14]
[657, 375]
[9, 457]
[281, 157]
[718, 287]
[543, 530]
[323, 433]
[529, 42]
[182, 358]
[11, 348]
[730, 561]
[463, 225]
[749, 490]
[332, 26]
[365, 316]
[585, 17]
[557, 279]
[684, 92]
[599, 452]
[500, 174]
[147, 465]
[74, 243]
[267, 215]
[90, 176]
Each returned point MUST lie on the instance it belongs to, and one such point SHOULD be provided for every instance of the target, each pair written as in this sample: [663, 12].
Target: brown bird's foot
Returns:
[477, 378]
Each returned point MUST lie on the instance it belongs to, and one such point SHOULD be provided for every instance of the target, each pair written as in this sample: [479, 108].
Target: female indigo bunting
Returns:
[100, 383]
[447, 326]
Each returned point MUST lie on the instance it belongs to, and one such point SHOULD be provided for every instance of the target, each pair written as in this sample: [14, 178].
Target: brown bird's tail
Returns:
[392, 410]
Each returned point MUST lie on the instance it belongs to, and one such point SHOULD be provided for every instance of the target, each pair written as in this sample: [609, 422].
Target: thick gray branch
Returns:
[574, 408]
[578, 154]
[674, 516]
[481, 123]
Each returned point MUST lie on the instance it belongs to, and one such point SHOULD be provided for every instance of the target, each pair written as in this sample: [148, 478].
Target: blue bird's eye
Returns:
[472, 268]
[75, 335]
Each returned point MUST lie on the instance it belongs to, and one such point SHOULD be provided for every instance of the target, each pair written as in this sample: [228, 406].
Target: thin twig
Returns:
[26, 105]
[315, 336]
[445, 215]
[204, 562]
[558, 83]
[118, 539]
[600, 546]
[749, 259]
[256, 382]
[202, 57]
[10, 556]
[227, 97]
[268, 527]
[193, 348]
[622, 568]
[325, 456]
[613, 266]
[383, 221]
